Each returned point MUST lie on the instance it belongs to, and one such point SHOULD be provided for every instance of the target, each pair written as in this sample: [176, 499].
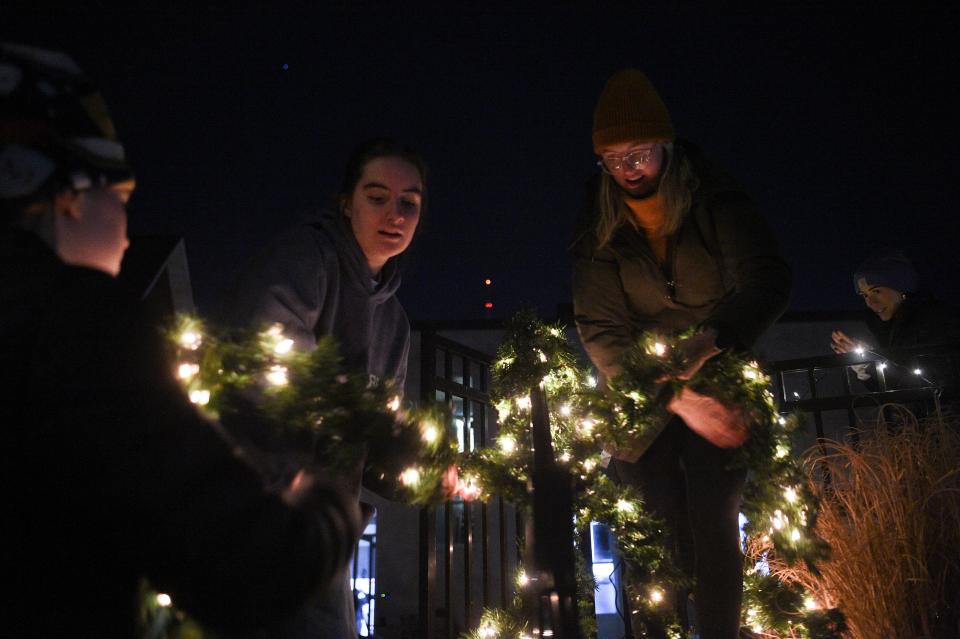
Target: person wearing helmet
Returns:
[109, 473]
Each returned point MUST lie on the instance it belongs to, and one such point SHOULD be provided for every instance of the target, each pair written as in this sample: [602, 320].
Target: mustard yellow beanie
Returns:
[630, 109]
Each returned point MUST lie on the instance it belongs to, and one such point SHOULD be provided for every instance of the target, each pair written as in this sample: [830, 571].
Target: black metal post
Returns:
[550, 547]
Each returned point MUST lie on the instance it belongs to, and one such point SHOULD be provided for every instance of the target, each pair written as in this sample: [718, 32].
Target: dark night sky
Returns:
[841, 123]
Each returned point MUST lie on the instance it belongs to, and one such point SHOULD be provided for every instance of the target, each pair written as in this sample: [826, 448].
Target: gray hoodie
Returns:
[314, 280]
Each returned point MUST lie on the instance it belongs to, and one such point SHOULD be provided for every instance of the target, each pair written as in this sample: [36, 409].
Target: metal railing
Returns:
[468, 551]
[921, 376]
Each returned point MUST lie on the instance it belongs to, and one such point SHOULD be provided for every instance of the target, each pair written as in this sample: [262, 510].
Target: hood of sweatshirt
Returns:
[336, 227]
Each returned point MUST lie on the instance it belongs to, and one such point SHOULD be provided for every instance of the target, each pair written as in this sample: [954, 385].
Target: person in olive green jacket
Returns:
[670, 242]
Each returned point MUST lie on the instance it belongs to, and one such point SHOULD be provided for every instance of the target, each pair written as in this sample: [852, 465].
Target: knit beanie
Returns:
[630, 109]
[890, 268]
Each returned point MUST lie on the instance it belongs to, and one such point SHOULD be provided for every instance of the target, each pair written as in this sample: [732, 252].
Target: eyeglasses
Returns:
[632, 160]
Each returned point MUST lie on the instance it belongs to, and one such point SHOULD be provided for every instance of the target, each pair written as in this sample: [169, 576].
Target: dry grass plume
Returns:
[891, 513]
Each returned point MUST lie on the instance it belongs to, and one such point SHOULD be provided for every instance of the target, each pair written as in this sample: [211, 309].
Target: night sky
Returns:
[841, 123]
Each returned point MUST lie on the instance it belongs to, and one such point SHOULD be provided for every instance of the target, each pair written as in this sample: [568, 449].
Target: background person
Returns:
[338, 275]
[669, 242]
[908, 316]
[108, 472]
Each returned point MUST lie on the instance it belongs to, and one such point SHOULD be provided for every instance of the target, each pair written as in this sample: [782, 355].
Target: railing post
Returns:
[553, 598]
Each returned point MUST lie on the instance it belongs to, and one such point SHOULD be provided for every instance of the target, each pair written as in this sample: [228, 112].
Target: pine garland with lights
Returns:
[307, 401]
[778, 503]
[322, 415]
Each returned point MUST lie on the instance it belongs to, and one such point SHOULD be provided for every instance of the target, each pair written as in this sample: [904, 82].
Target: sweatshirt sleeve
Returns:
[286, 283]
[760, 276]
[599, 306]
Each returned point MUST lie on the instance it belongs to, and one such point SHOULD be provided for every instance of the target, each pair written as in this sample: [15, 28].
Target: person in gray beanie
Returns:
[908, 314]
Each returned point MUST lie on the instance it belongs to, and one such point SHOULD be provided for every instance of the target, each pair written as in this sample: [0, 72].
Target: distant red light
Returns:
[488, 281]
[488, 304]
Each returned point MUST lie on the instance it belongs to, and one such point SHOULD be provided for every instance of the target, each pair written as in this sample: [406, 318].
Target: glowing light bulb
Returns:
[555, 331]
[508, 444]
[200, 397]
[781, 421]
[750, 372]
[777, 520]
[488, 630]
[656, 595]
[858, 350]
[795, 535]
[522, 579]
[587, 426]
[394, 404]
[541, 356]
[410, 477]
[589, 465]
[882, 366]
[782, 451]
[186, 371]
[164, 600]
[565, 457]
[190, 340]
[468, 488]
[430, 433]
[917, 372]
[659, 349]
[625, 506]
[283, 347]
[790, 495]
[503, 410]
[810, 603]
[277, 375]
[591, 381]
[565, 410]
[523, 403]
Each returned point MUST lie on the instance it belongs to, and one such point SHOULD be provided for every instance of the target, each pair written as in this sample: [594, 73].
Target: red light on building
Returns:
[488, 281]
[488, 304]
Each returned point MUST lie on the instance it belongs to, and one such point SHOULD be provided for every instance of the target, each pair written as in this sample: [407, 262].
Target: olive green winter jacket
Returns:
[723, 270]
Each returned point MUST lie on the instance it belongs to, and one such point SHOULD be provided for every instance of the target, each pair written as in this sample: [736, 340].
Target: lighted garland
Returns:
[307, 401]
[777, 501]
[318, 412]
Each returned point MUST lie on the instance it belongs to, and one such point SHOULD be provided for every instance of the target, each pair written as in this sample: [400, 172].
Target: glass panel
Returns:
[460, 423]
[363, 578]
[478, 423]
[440, 357]
[456, 373]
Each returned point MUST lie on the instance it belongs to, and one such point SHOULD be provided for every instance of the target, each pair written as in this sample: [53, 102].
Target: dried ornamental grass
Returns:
[891, 514]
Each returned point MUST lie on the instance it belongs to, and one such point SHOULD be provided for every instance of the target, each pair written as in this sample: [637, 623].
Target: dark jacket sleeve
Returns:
[760, 277]
[185, 510]
[599, 305]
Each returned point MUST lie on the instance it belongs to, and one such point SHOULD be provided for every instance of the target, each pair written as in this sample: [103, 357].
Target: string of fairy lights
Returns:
[309, 400]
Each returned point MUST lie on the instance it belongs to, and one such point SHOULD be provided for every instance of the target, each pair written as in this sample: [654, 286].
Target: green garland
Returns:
[319, 414]
[778, 503]
[308, 401]
[311, 405]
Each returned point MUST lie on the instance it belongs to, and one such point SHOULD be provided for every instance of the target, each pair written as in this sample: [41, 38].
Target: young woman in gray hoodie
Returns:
[338, 276]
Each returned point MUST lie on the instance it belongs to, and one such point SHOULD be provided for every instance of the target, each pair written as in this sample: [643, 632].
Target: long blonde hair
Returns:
[676, 188]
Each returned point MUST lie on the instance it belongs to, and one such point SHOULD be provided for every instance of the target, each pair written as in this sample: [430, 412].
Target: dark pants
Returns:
[684, 481]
